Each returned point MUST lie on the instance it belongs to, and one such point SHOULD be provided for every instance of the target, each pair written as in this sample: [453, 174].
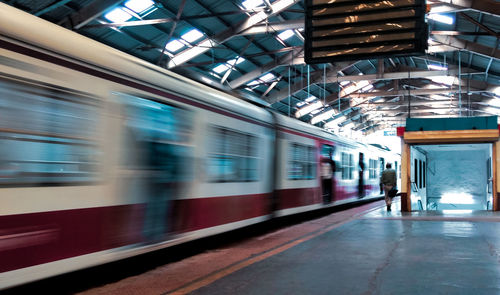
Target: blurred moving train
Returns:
[104, 156]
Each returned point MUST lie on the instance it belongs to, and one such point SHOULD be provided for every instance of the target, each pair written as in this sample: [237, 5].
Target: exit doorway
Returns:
[451, 176]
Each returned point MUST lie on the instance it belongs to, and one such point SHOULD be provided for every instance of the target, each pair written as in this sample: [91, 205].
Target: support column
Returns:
[405, 178]
[494, 153]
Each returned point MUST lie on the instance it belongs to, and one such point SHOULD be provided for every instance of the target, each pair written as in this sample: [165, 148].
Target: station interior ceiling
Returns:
[220, 44]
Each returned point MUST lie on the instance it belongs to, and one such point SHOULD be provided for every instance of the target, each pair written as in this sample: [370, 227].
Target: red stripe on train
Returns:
[36, 238]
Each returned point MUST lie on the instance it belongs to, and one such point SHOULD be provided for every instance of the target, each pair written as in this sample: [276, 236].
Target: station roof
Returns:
[254, 50]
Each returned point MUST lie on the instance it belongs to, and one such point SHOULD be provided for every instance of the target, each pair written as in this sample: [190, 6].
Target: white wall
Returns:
[459, 176]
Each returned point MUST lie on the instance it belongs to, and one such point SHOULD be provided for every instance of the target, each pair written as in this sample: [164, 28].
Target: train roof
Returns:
[19, 26]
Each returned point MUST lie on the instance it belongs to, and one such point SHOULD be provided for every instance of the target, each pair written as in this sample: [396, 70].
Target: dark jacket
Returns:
[388, 177]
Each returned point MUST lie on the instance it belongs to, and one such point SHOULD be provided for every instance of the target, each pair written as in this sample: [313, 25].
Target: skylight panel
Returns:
[441, 18]
[192, 35]
[437, 67]
[237, 60]
[495, 102]
[251, 4]
[448, 80]
[285, 34]
[118, 15]
[267, 77]
[221, 69]
[139, 6]
[254, 82]
[174, 45]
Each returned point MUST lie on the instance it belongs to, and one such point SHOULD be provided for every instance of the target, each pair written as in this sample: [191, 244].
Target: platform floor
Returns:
[354, 252]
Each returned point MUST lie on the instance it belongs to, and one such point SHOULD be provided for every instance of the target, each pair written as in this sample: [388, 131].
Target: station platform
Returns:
[363, 250]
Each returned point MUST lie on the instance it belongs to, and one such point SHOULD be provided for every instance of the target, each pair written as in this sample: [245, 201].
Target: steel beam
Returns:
[274, 27]
[450, 43]
[401, 75]
[405, 92]
[316, 77]
[290, 58]
[205, 45]
[487, 6]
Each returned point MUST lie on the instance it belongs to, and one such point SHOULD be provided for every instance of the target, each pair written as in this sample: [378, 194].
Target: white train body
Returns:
[76, 184]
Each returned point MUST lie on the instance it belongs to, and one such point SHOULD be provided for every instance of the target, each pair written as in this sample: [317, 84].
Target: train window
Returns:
[156, 137]
[233, 156]
[372, 169]
[382, 165]
[347, 166]
[301, 162]
[327, 150]
[47, 135]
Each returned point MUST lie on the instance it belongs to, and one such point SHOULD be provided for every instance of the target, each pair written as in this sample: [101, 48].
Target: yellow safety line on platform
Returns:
[220, 274]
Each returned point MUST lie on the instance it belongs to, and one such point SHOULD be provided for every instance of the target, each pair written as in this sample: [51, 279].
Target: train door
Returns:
[327, 173]
[382, 167]
[156, 159]
[361, 176]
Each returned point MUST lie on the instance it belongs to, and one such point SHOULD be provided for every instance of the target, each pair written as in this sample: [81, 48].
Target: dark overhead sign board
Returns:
[342, 30]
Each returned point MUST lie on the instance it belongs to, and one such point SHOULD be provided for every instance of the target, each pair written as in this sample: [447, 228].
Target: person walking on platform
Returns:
[388, 180]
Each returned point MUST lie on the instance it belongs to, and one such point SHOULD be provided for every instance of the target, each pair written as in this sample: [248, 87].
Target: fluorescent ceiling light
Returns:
[441, 18]
[267, 77]
[174, 45]
[348, 90]
[300, 103]
[254, 82]
[118, 15]
[251, 4]
[362, 84]
[192, 35]
[315, 112]
[439, 97]
[434, 86]
[308, 108]
[437, 67]
[323, 116]
[139, 6]
[311, 98]
[366, 88]
[221, 68]
[285, 34]
[448, 80]
[344, 83]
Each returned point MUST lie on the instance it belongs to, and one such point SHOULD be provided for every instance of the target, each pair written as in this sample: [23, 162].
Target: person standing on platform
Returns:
[388, 180]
